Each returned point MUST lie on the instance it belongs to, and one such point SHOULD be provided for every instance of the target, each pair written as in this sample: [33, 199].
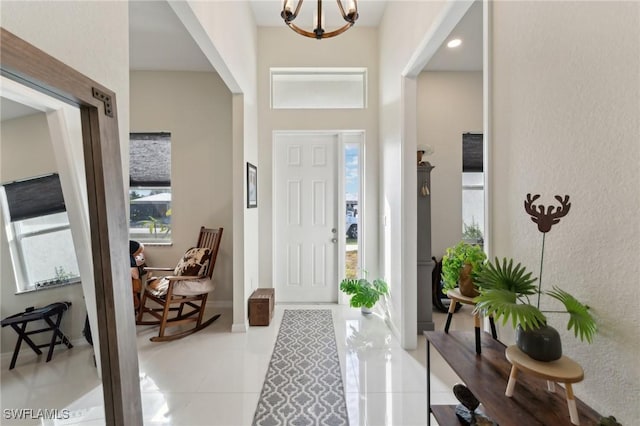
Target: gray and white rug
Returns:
[303, 385]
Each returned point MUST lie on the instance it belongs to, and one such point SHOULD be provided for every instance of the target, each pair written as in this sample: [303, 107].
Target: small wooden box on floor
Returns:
[261, 304]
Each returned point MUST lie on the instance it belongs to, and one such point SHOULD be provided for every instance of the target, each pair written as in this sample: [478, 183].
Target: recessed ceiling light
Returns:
[454, 43]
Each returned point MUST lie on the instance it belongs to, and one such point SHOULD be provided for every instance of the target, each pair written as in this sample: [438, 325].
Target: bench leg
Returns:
[452, 309]
[476, 326]
[22, 336]
[494, 334]
[512, 381]
[571, 403]
[55, 327]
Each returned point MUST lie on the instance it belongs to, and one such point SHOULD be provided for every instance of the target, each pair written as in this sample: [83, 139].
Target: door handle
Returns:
[334, 230]
[334, 240]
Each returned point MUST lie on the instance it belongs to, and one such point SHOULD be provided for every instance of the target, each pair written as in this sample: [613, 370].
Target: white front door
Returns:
[305, 212]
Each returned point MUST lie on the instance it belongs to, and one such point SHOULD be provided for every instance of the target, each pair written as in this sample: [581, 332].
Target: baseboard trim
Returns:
[239, 328]
[220, 303]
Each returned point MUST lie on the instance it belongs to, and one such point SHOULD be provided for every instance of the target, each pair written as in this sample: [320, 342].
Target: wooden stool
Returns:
[457, 297]
[564, 370]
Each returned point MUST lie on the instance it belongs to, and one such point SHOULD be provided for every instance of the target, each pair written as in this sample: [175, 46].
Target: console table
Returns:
[486, 375]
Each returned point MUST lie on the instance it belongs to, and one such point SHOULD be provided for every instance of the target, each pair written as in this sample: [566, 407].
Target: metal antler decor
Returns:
[545, 220]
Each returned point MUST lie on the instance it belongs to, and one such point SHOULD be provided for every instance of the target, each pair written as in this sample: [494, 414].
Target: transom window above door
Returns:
[318, 88]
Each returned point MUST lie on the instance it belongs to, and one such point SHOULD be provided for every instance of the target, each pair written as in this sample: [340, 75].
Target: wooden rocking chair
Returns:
[182, 296]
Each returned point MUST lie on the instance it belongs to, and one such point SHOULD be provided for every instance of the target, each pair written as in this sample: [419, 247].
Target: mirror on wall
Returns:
[45, 255]
[83, 125]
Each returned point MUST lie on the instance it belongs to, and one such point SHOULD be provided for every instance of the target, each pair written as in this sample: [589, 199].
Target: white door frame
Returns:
[341, 244]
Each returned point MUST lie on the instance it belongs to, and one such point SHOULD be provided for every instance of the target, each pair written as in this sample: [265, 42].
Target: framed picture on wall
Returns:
[252, 186]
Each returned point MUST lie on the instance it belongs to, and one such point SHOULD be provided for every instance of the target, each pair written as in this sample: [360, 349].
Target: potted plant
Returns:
[504, 293]
[460, 265]
[364, 294]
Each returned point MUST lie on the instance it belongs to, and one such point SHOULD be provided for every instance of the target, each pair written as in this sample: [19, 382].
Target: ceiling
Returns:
[10, 109]
[159, 41]
[467, 56]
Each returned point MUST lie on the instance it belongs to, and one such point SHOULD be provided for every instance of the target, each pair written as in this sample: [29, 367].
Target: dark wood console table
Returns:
[486, 375]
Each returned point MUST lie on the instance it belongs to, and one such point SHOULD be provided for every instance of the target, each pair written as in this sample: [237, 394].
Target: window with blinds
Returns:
[150, 187]
[39, 233]
[472, 188]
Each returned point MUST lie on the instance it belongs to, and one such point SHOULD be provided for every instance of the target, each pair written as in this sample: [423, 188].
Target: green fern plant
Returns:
[363, 292]
[505, 291]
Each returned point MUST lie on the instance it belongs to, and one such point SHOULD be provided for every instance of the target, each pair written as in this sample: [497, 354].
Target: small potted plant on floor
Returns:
[460, 265]
[504, 293]
[364, 293]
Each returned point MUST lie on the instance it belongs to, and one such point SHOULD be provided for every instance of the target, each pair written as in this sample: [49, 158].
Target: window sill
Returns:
[49, 286]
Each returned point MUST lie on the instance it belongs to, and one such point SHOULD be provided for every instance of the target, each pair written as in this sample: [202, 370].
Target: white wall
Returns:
[449, 104]
[75, 33]
[403, 28]
[566, 116]
[195, 107]
[227, 35]
[281, 47]
[20, 138]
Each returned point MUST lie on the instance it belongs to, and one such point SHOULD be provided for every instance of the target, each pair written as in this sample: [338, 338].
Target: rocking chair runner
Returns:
[186, 290]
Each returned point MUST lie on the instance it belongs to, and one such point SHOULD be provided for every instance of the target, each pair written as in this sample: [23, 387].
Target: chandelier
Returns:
[289, 14]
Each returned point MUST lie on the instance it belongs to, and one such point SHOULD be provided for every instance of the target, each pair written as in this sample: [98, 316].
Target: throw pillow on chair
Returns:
[193, 263]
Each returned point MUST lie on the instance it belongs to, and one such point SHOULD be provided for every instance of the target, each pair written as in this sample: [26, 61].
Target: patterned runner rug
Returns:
[303, 385]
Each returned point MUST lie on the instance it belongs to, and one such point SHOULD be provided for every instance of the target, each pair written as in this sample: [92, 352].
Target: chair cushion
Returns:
[159, 287]
[193, 287]
[194, 262]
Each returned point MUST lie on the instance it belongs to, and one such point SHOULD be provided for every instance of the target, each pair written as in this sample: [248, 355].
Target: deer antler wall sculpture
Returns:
[546, 219]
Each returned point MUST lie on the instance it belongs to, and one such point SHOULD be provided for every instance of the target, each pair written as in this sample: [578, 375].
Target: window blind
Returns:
[149, 159]
[472, 152]
[34, 197]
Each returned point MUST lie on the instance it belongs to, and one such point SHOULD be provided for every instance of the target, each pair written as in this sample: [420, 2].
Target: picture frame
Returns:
[252, 186]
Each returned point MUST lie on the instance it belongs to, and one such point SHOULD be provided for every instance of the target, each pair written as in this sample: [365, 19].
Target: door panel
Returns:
[305, 211]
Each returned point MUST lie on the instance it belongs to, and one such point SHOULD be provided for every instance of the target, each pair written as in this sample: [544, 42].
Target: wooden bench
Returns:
[564, 370]
[261, 304]
[487, 376]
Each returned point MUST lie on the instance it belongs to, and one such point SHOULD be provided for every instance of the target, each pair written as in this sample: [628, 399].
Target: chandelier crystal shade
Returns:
[291, 9]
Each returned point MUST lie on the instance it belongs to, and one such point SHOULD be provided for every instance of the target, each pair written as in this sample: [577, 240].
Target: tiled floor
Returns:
[214, 377]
